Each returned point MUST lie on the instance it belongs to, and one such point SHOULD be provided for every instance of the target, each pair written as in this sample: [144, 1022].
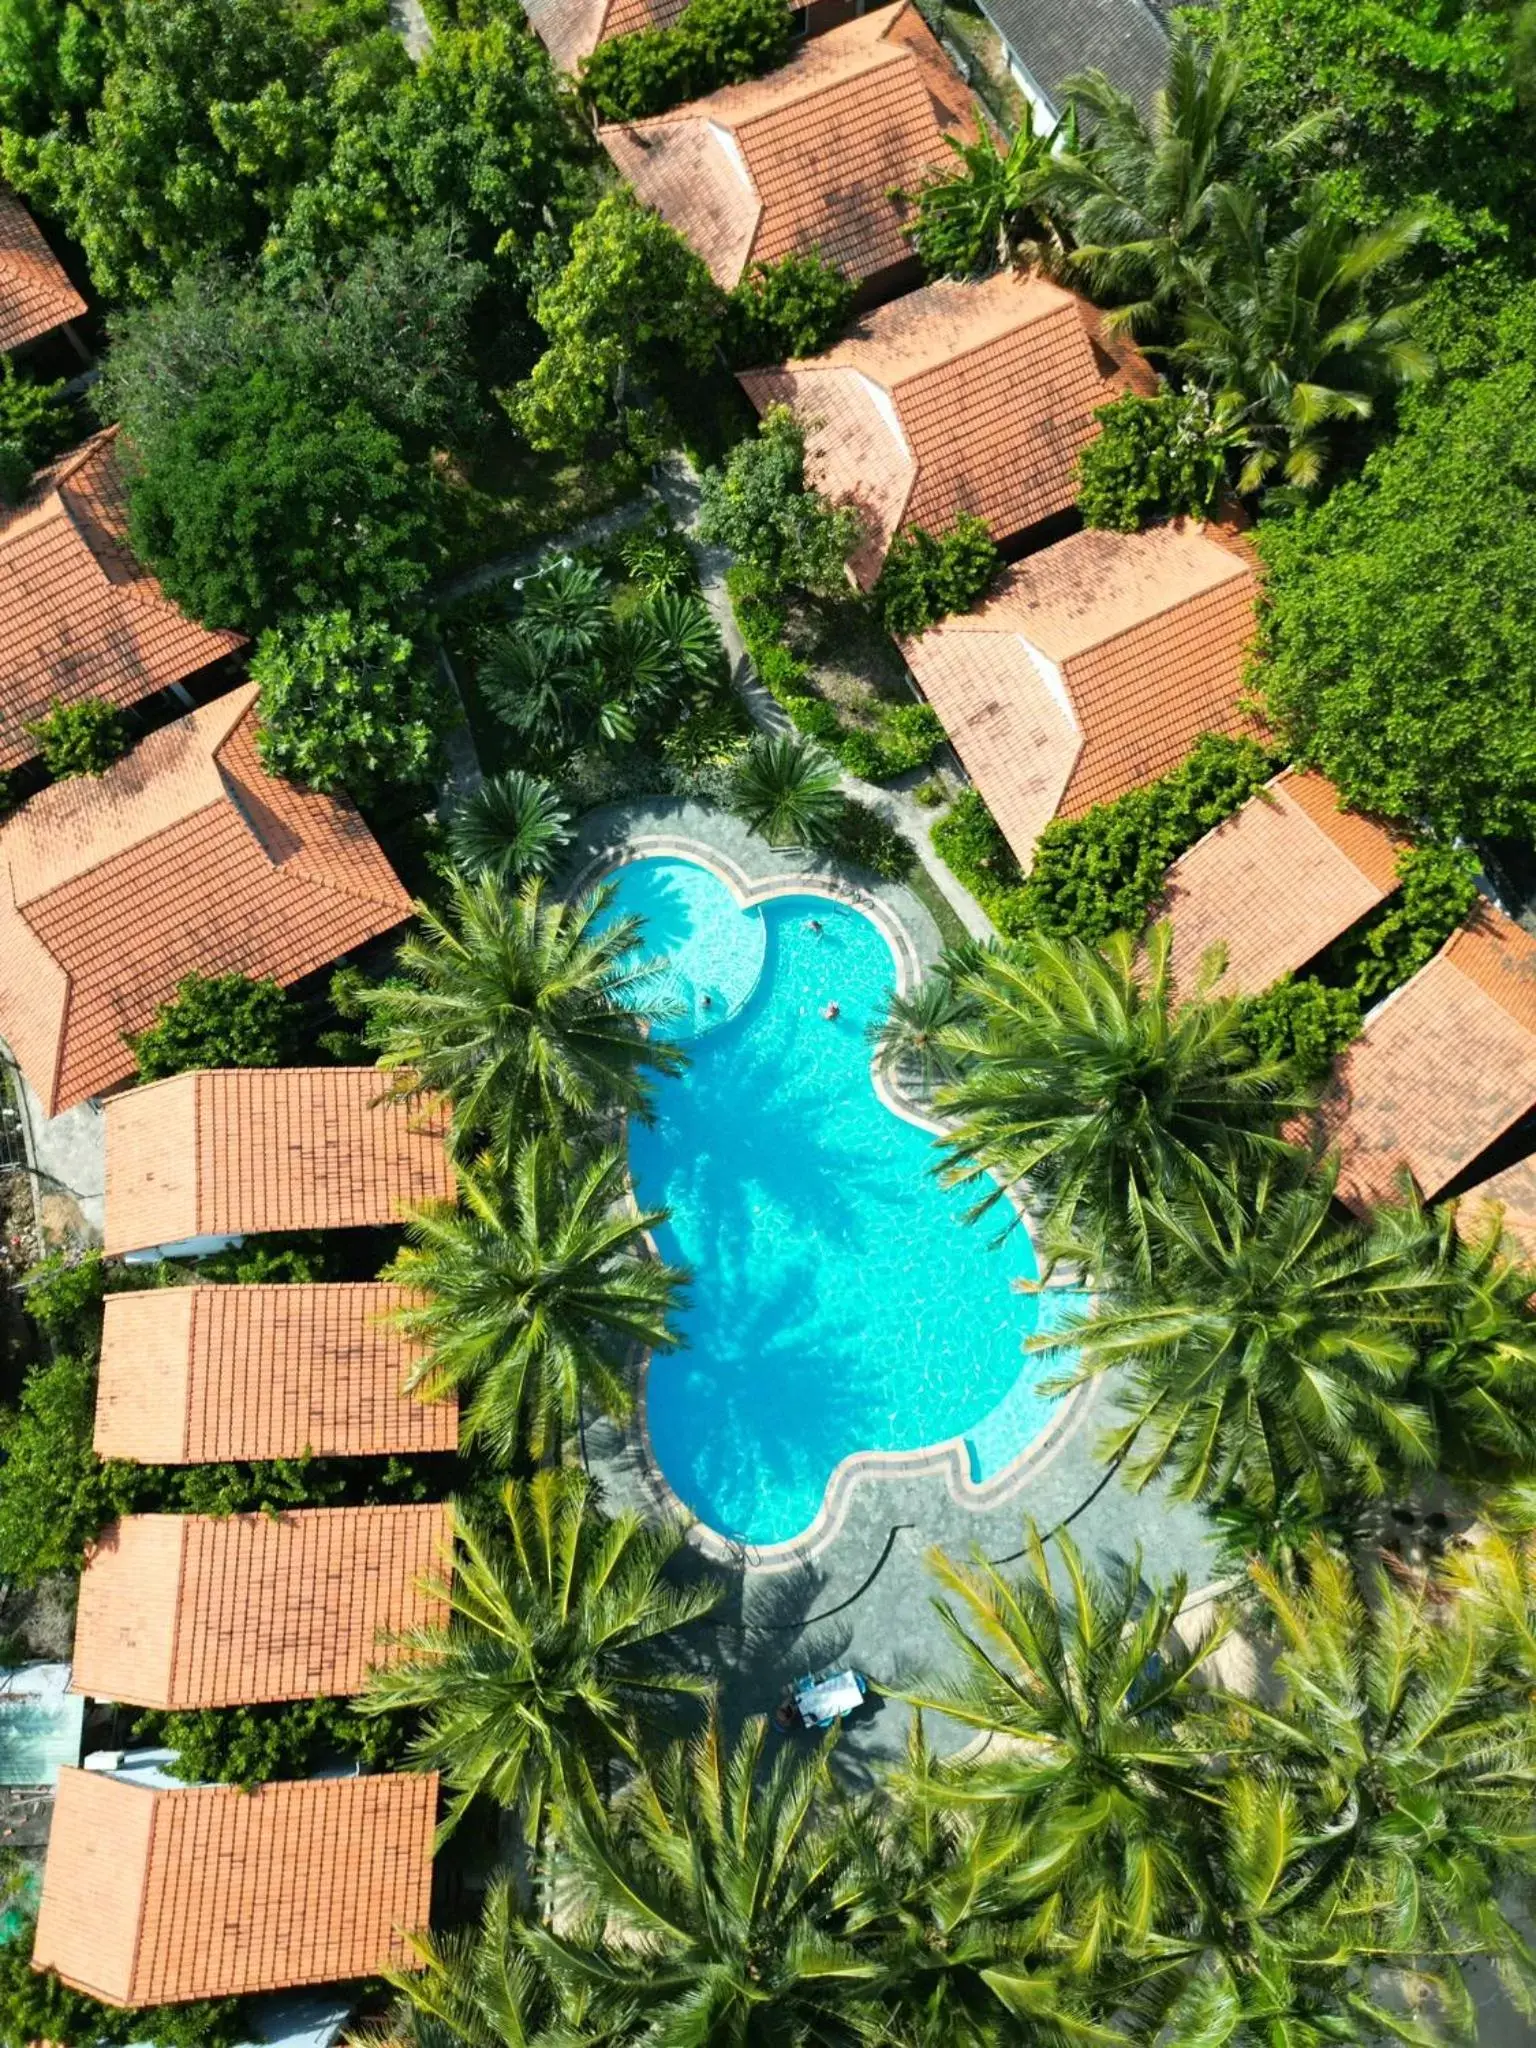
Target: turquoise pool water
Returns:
[840, 1302]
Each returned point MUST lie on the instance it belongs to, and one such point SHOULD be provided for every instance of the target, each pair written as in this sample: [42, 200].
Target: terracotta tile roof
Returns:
[808, 157]
[1513, 1194]
[35, 294]
[78, 616]
[152, 1896]
[959, 397]
[185, 857]
[200, 1375]
[1444, 1066]
[1277, 882]
[266, 1148]
[1094, 669]
[572, 29]
[182, 1611]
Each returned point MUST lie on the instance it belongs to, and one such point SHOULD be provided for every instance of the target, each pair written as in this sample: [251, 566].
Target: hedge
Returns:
[712, 43]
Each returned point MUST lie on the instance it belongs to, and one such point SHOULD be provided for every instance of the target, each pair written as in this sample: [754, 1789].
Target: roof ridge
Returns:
[878, 54]
[947, 363]
[1168, 600]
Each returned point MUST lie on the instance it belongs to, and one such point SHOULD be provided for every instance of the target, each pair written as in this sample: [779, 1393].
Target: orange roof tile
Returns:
[1277, 882]
[78, 616]
[185, 857]
[198, 1375]
[808, 157]
[1444, 1066]
[959, 397]
[1513, 1194]
[184, 1611]
[266, 1148]
[35, 294]
[1093, 669]
[152, 1896]
[572, 29]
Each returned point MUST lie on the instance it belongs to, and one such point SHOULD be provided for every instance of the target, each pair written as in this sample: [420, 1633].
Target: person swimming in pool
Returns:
[832, 1013]
[814, 924]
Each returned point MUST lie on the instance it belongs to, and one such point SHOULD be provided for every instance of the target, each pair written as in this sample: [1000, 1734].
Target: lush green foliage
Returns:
[55, 1494]
[712, 43]
[1152, 459]
[968, 838]
[994, 206]
[346, 704]
[1438, 887]
[220, 1020]
[36, 419]
[786, 788]
[869, 840]
[82, 738]
[250, 1746]
[1302, 1023]
[926, 576]
[51, 54]
[510, 826]
[35, 2005]
[905, 736]
[795, 307]
[760, 506]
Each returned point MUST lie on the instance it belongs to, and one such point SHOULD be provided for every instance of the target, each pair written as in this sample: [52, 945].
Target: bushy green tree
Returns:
[35, 2005]
[1152, 459]
[55, 1493]
[794, 307]
[759, 505]
[35, 418]
[52, 54]
[251, 1746]
[994, 206]
[712, 43]
[221, 1020]
[83, 738]
[1437, 888]
[925, 577]
[633, 300]
[346, 704]
[1303, 1023]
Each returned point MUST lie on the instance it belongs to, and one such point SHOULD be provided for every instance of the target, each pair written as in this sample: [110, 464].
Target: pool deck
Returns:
[856, 1588]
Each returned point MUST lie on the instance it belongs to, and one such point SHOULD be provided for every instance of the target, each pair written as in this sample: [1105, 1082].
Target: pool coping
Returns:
[949, 1458]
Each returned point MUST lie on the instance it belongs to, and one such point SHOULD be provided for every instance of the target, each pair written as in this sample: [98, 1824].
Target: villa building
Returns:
[207, 1375]
[79, 616]
[36, 297]
[813, 156]
[200, 1159]
[1444, 1070]
[961, 397]
[155, 1894]
[185, 857]
[1277, 882]
[1093, 669]
[189, 1611]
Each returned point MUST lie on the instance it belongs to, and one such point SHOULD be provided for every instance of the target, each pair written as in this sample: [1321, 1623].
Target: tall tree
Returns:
[994, 206]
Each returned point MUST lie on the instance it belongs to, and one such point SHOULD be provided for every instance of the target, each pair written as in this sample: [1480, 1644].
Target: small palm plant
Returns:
[994, 208]
[912, 1038]
[511, 827]
[786, 788]
[560, 1627]
[475, 1988]
[536, 1291]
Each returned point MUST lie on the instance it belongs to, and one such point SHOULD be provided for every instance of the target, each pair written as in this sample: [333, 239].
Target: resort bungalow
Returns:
[36, 297]
[1094, 668]
[1441, 1084]
[189, 1611]
[201, 1159]
[185, 857]
[960, 397]
[205, 1375]
[814, 156]
[1277, 882]
[154, 1894]
[79, 617]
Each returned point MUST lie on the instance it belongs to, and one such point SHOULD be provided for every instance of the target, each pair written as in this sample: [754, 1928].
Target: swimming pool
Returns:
[840, 1302]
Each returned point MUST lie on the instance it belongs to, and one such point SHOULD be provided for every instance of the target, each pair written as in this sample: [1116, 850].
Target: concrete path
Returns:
[410, 25]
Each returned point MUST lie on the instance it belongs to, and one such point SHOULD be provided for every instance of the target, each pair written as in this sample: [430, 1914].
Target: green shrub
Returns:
[83, 738]
[926, 577]
[1302, 1022]
[55, 1493]
[250, 1746]
[795, 307]
[36, 418]
[817, 719]
[1438, 888]
[36, 2006]
[861, 754]
[759, 505]
[712, 43]
[972, 845]
[223, 1020]
[781, 673]
[1153, 458]
[346, 704]
[910, 735]
[63, 1296]
[872, 842]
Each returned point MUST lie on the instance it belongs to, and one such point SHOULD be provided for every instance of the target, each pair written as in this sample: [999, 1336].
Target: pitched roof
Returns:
[1052, 39]
[1277, 882]
[1513, 1194]
[808, 157]
[184, 1611]
[1094, 668]
[78, 616]
[199, 1375]
[266, 1148]
[1443, 1067]
[185, 857]
[959, 397]
[152, 1896]
[35, 295]
[572, 29]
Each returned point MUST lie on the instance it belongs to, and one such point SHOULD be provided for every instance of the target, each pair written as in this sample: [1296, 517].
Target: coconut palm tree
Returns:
[559, 1631]
[1284, 334]
[1265, 1350]
[1082, 1074]
[786, 788]
[994, 207]
[911, 1038]
[1087, 1690]
[535, 1291]
[477, 1988]
[510, 827]
[525, 1012]
[718, 1888]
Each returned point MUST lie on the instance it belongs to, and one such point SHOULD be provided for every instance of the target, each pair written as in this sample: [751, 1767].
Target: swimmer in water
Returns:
[831, 1013]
